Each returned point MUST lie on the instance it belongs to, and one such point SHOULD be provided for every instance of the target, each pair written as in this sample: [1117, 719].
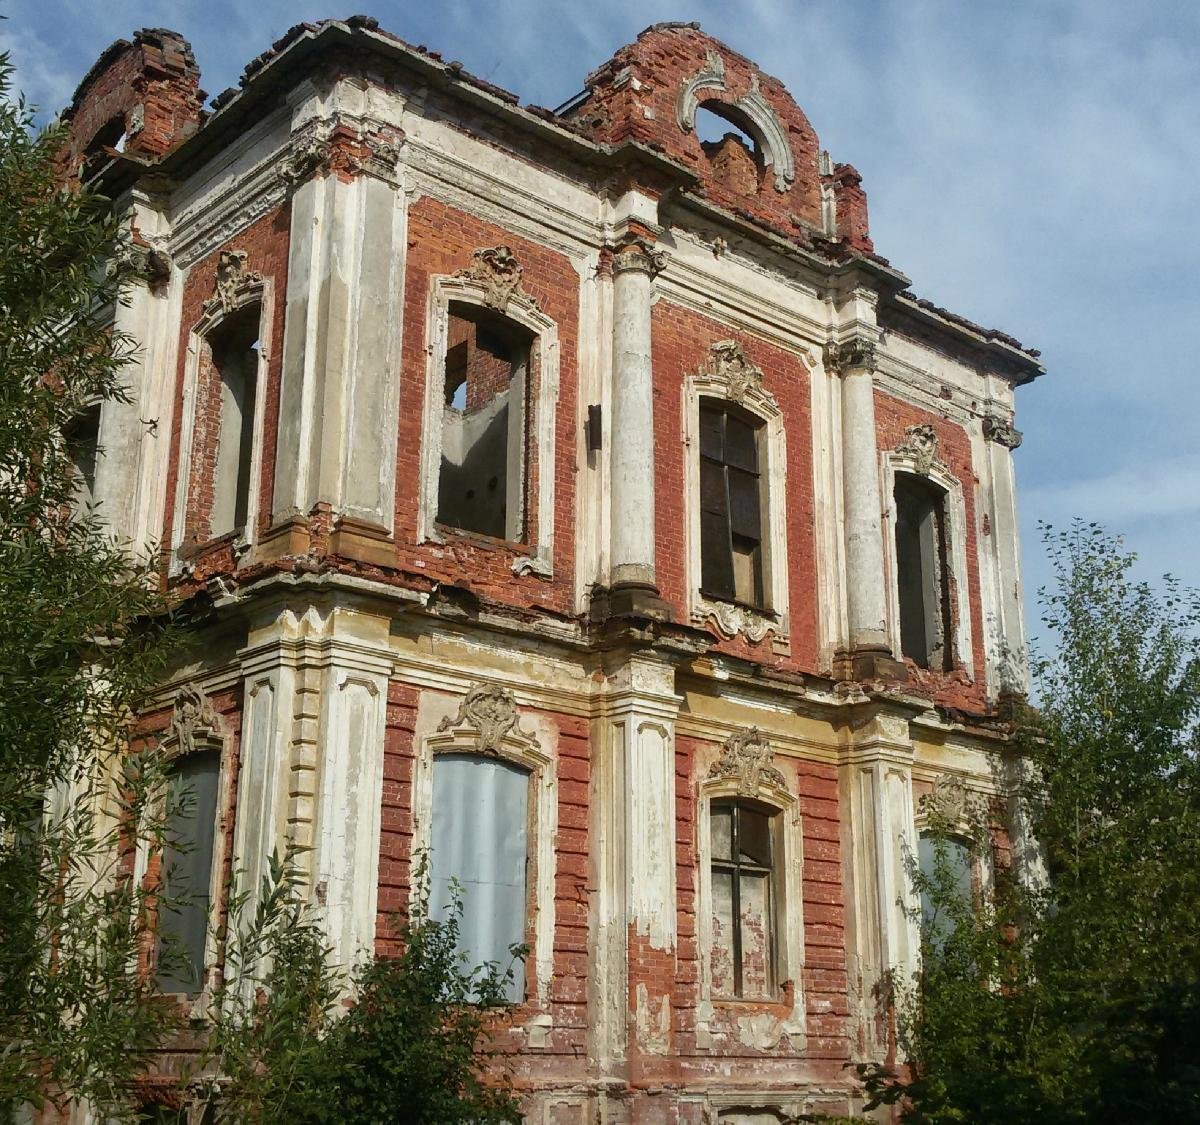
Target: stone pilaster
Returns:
[878, 833]
[634, 829]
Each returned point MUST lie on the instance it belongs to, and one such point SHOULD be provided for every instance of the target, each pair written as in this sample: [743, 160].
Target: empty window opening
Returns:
[478, 841]
[83, 440]
[735, 158]
[743, 941]
[235, 355]
[110, 135]
[481, 484]
[186, 884]
[731, 504]
[946, 863]
[923, 572]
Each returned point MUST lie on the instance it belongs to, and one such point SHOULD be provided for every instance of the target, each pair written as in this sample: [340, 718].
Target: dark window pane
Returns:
[712, 488]
[716, 559]
[741, 443]
[712, 428]
[743, 505]
[754, 837]
[187, 873]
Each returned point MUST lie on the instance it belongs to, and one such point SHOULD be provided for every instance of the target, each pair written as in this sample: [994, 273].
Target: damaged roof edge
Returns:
[269, 70]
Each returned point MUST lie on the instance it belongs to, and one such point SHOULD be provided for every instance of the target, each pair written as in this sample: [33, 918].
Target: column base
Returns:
[629, 599]
[870, 663]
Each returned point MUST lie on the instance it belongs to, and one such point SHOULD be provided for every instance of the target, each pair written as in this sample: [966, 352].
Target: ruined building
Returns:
[577, 496]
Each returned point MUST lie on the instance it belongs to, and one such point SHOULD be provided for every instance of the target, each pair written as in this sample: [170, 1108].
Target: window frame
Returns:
[446, 725]
[196, 727]
[249, 288]
[905, 460]
[540, 409]
[728, 376]
[742, 773]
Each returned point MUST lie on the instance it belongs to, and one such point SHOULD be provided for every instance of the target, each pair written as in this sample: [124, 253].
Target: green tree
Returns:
[80, 642]
[414, 1045]
[1077, 998]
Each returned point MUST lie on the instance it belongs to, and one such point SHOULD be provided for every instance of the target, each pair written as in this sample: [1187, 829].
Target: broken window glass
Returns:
[478, 840]
[743, 938]
[731, 504]
[234, 347]
[922, 572]
[481, 483]
[187, 861]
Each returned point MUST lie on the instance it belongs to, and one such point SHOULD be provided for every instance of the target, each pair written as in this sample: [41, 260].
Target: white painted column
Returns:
[866, 599]
[878, 833]
[632, 456]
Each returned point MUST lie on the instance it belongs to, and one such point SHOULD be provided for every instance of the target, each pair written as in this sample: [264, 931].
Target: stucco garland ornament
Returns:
[499, 272]
[921, 444]
[234, 283]
[490, 710]
[727, 362]
[746, 756]
[194, 718]
[734, 619]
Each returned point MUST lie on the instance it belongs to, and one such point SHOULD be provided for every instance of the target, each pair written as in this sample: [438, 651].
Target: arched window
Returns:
[185, 883]
[950, 857]
[923, 572]
[743, 851]
[234, 348]
[481, 481]
[478, 840]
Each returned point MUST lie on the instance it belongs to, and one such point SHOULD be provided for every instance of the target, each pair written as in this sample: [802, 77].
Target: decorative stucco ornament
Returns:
[1001, 431]
[235, 283]
[950, 801]
[746, 756]
[491, 711]
[921, 444]
[311, 152]
[849, 355]
[195, 724]
[728, 362]
[499, 272]
[734, 619]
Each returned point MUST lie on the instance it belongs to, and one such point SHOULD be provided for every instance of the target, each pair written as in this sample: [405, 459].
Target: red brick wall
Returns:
[633, 96]
[681, 340]
[266, 244]
[892, 418]
[441, 241]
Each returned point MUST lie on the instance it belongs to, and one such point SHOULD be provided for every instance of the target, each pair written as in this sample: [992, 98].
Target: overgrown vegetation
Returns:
[81, 639]
[1077, 998]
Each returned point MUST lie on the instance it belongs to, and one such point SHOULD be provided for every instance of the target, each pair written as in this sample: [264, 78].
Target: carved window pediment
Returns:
[195, 723]
[747, 759]
[236, 284]
[498, 272]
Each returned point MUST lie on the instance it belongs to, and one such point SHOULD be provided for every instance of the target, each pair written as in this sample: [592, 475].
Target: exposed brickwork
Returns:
[441, 240]
[634, 97]
[146, 91]
[266, 245]
[681, 342]
[953, 689]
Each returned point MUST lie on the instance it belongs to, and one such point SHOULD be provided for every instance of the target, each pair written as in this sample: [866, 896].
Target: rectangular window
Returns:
[946, 858]
[83, 442]
[235, 351]
[478, 839]
[743, 939]
[481, 483]
[731, 532]
[186, 882]
[923, 573]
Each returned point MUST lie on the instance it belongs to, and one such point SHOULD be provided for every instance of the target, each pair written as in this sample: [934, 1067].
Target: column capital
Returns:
[1001, 431]
[852, 354]
[639, 255]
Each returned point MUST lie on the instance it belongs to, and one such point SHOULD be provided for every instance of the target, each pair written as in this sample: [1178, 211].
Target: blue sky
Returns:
[1033, 165]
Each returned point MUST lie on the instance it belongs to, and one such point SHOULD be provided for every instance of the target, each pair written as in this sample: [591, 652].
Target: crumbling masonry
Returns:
[579, 497]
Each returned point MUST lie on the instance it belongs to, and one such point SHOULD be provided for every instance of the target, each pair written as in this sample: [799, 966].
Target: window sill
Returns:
[732, 618]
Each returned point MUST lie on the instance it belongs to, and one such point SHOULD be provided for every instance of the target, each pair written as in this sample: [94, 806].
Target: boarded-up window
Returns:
[187, 864]
[478, 838]
[235, 347]
[731, 504]
[922, 572]
[742, 917]
[481, 483]
[955, 869]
